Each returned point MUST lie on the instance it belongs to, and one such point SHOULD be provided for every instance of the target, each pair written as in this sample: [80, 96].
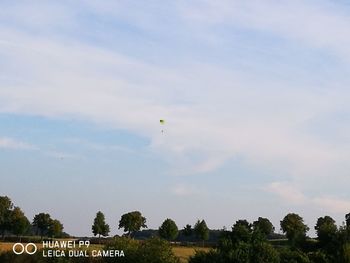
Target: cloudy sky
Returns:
[255, 95]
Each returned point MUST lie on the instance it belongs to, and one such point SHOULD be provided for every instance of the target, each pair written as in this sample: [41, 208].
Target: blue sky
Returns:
[254, 93]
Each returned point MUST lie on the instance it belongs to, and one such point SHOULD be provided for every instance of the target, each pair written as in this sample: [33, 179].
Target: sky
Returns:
[254, 94]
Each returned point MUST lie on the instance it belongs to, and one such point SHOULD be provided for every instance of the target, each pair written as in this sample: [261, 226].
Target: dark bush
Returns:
[293, 256]
[318, 257]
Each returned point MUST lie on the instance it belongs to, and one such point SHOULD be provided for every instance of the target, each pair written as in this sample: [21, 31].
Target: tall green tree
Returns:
[340, 247]
[326, 230]
[168, 230]
[19, 222]
[241, 231]
[41, 223]
[100, 227]
[264, 225]
[201, 230]
[294, 228]
[55, 228]
[132, 222]
[6, 206]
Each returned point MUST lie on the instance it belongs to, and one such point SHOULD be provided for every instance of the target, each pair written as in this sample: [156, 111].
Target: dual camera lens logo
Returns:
[29, 248]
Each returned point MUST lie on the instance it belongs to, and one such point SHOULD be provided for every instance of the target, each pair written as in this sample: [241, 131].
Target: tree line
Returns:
[245, 242]
[248, 243]
[133, 221]
[14, 222]
[251, 242]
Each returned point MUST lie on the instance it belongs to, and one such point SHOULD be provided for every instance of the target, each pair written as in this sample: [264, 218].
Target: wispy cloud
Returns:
[241, 115]
[62, 155]
[10, 143]
[321, 24]
[294, 196]
[215, 110]
[263, 83]
[334, 204]
[288, 192]
[98, 146]
[186, 190]
[15, 144]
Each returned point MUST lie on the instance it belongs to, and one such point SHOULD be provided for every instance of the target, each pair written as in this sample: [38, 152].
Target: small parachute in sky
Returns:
[162, 122]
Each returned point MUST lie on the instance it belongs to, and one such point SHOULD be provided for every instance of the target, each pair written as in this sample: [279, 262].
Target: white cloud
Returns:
[287, 192]
[10, 143]
[292, 195]
[320, 24]
[14, 144]
[185, 190]
[213, 112]
[333, 204]
[98, 146]
[241, 115]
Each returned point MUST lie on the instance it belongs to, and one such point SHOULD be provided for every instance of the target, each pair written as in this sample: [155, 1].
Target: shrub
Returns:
[207, 257]
[264, 253]
[318, 257]
[293, 256]
[153, 250]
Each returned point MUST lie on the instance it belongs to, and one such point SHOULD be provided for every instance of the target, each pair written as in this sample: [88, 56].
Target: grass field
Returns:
[183, 253]
[7, 246]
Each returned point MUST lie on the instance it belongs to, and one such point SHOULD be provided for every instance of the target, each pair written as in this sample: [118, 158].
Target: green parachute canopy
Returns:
[162, 121]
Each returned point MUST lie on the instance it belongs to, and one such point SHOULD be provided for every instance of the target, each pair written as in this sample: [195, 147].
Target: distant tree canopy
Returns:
[14, 222]
[326, 229]
[132, 221]
[19, 222]
[6, 206]
[241, 231]
[264, 225]
[99, 226]
[168, 230]
[46, 226]
[42, 222]
[241, 245]
[55, 228]
[294, 228]
[187, 230]
[201, 230]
